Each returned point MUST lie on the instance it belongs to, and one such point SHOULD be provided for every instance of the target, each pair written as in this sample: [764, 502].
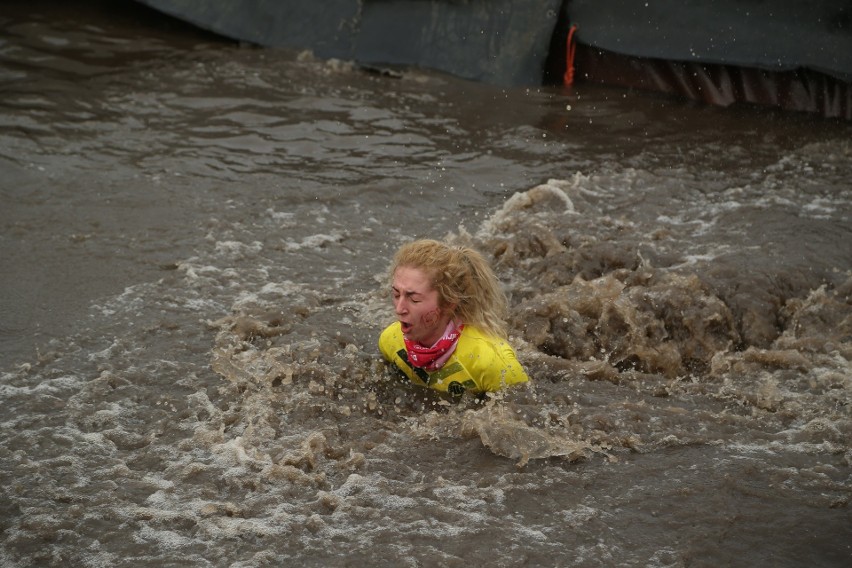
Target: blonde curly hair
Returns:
[462, 277]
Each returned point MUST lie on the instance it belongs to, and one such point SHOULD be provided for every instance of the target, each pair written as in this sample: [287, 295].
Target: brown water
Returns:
[194, 238]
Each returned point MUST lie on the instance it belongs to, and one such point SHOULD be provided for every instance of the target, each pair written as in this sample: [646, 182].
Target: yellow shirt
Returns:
[480, 363]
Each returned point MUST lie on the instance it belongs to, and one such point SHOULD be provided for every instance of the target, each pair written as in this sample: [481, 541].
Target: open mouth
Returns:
[406, 327]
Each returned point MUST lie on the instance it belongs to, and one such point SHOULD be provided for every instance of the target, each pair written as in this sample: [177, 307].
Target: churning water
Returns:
[194, 243]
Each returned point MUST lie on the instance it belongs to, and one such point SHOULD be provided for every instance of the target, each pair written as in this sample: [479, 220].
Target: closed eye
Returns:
[413, 297]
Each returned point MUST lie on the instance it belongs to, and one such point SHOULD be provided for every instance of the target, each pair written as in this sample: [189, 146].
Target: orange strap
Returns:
[571, 48]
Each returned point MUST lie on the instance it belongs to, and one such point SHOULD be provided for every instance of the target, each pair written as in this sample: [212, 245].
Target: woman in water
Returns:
[451, 332]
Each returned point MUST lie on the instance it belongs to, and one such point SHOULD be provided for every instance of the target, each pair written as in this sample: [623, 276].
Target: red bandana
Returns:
[432, 358]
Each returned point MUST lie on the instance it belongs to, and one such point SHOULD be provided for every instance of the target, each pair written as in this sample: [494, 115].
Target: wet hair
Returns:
[462, 277]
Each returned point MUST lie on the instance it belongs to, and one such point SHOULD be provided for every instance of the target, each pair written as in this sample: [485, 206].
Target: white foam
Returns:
[581, 514]
[106, 353]
[313, 242]
[165, 539]
[283, 217]
[823, 207]
[47, 385]
[237, 248]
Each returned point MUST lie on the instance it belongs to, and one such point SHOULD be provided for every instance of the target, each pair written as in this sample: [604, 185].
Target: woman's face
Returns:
[416, 305]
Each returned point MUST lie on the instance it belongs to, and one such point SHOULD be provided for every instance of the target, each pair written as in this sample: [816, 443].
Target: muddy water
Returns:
[194, 239]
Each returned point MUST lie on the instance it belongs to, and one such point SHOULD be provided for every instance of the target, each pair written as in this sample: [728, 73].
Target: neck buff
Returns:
[433, 358]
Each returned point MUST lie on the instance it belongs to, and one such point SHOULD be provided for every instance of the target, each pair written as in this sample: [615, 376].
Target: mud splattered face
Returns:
[416, 304]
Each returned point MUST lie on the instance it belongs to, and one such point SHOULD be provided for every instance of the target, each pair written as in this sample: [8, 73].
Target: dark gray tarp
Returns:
[776, 35]
[493, 41]
[791, 54]
[507, 41]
